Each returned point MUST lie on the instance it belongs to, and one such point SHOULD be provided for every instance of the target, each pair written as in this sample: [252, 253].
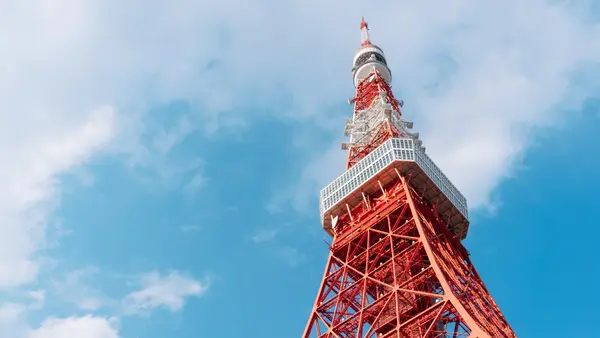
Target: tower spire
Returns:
[364, 33]
[377, 115]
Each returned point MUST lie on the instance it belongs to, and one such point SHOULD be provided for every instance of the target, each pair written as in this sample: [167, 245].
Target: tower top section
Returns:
[382, 149]
[369, 57]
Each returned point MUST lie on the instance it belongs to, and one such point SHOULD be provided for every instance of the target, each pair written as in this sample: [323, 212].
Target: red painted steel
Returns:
[396, 271]
[368, 91]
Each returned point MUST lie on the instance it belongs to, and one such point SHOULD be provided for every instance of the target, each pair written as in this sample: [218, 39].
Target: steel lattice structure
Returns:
[397, 267]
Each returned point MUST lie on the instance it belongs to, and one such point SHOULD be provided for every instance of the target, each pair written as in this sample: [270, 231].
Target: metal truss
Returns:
[377, 117]
[396, 271]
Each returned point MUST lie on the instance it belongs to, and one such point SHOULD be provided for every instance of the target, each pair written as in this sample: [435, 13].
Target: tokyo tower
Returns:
[396, 266]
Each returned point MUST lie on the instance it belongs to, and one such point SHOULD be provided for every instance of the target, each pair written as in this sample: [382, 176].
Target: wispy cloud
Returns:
[314, 176]
[80, 288]
[265, 235]
[197, 181]
[275, 241]
[152, 151]
[290, 255]
[271, 233]
[90, 304]
[168, 291]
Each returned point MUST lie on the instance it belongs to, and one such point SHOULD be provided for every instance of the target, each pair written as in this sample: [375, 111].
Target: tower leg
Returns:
[396, 271]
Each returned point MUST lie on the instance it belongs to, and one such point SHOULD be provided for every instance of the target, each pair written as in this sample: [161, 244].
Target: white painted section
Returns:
[366, 69]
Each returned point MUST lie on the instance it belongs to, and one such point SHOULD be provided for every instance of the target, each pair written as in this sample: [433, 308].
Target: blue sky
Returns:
[162, 161]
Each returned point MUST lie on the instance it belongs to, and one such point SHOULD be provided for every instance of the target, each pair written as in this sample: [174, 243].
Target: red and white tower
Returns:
[397, 267]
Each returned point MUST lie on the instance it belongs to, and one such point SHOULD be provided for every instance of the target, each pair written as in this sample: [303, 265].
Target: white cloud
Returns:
[509, 78]
[156, 291]
[265, 235]
[80, 327]
[270, 233]
[32, 156]
[195, 183]
[169, 291]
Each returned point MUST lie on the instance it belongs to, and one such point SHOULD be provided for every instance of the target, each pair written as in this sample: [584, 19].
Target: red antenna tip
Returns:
[363, 23]
[364, 28]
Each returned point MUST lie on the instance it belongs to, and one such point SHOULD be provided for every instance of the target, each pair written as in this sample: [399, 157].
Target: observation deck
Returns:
[367, 59]
[404, 155]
